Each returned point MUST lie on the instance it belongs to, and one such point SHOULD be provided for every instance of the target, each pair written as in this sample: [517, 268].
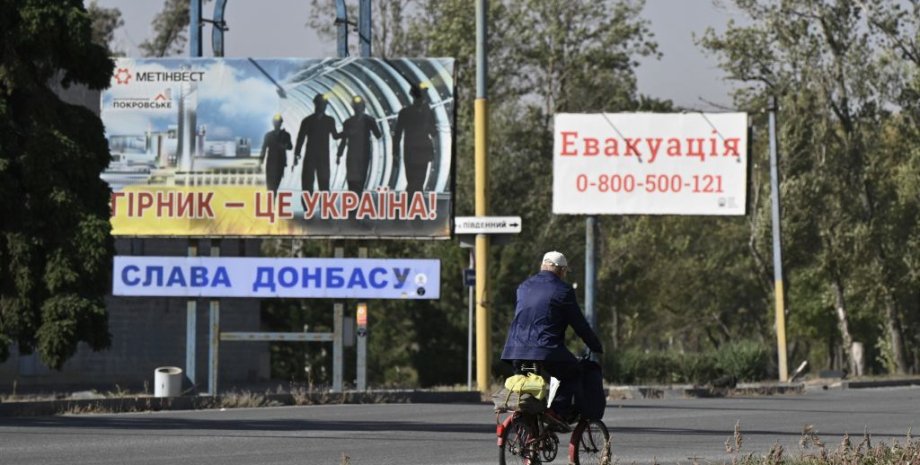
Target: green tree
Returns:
[389, 27]
[105, 22]
[171, 30]
[899, 25]
[846, 224]
[55, 243]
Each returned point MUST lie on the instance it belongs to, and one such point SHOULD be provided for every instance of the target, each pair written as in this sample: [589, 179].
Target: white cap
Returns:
[555, 258]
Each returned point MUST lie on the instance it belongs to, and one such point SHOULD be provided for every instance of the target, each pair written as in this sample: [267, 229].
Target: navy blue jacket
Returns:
[546, 305]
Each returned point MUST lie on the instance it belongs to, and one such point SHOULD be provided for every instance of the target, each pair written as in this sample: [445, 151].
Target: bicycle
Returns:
[525, 438]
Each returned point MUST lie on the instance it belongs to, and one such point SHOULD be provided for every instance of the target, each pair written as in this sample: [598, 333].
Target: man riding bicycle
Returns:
[546, 305]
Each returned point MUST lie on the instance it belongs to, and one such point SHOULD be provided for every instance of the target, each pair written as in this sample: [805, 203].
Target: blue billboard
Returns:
[339, 278]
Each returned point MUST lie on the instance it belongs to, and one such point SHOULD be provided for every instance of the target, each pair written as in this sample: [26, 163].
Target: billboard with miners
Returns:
[345, 147]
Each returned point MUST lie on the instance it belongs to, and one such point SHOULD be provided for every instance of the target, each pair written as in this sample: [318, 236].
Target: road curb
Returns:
[879, 383]
[683, 391]
[144, 404]
[690, 391]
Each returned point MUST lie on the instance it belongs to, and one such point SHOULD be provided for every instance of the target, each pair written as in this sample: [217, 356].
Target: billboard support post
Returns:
[363, 334]
[777, 249]
[364, 38]
[337, 343]
[337, 339]
[590, 270]
[214, 332]
[191, 323]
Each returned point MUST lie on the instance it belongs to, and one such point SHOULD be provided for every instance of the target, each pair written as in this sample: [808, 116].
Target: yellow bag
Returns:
[531, 383]
[522, 393]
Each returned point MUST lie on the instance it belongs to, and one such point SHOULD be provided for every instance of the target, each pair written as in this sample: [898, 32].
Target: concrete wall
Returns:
[150, 332]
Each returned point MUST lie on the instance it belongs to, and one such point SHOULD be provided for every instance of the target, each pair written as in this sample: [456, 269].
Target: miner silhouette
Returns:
[417, 123]
[275, 145]
[356, 132]
[315, 129]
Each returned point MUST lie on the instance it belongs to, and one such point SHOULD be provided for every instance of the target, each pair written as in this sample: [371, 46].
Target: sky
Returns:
[276, 28]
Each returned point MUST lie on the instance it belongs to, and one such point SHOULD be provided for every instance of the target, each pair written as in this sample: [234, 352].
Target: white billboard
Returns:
[650, 163]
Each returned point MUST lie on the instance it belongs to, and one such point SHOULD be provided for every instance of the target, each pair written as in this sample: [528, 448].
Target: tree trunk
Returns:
[893, 325]
[615, 329]
[844, 325]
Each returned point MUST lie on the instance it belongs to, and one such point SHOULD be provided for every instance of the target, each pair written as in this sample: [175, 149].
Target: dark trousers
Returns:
[314, 169]
[415, 177]
[356, 185]
[569, 391]
[273, 175]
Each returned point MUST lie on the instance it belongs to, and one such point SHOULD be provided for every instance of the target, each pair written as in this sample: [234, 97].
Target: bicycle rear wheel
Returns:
[518, 444]
[590, 444]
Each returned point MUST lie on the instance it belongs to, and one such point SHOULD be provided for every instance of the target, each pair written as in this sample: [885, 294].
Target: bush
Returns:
[636, 367]
[742, 361]
[697, 368]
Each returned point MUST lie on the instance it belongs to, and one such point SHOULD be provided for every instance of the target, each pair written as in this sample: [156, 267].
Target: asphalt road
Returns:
[666, 431]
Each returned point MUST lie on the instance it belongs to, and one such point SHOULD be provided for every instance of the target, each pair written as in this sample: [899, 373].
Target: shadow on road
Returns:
[278, 425]
[159, 423]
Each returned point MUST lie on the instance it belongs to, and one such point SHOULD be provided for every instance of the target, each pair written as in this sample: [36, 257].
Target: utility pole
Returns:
[777, 249]
[364, 28]
[191, 306]
[483, 319]
[195, 27]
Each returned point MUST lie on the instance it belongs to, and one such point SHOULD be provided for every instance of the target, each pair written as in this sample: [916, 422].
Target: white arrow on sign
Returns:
[487, 225]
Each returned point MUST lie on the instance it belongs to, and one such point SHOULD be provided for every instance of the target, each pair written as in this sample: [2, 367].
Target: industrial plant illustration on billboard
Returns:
[346, 147]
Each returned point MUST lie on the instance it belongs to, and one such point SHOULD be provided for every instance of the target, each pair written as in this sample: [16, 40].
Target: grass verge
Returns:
[814, 451]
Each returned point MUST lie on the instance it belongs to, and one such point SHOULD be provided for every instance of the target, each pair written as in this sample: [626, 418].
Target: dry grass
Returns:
[246, 399]
[96, 407]
[813, 451]
[30, 397]
[306, 395]
[116, 392]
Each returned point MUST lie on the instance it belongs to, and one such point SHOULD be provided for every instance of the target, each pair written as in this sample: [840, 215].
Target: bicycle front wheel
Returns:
[590, 444]
[518, 444]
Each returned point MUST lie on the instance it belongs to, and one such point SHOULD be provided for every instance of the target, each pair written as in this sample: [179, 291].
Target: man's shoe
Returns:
[554, 422]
